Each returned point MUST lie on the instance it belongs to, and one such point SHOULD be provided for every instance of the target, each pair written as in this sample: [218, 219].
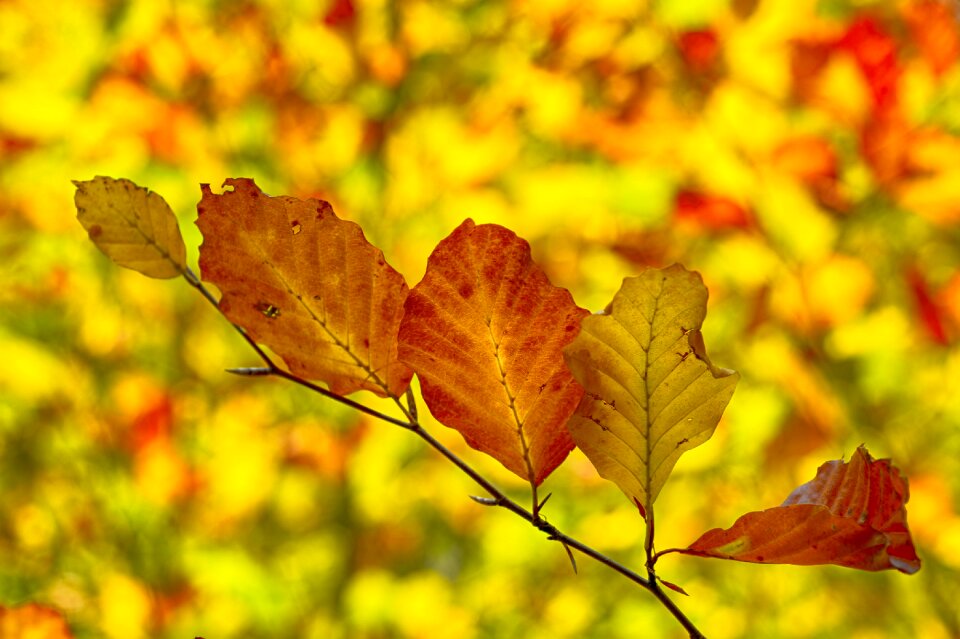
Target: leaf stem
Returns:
[497, 497]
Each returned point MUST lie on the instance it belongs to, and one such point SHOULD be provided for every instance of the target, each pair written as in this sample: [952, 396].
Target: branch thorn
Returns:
[540, 506]
[573, 561]
[251, 371]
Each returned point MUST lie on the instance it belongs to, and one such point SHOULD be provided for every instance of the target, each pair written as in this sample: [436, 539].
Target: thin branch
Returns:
[500, 499]
[497, 497]
[275, 370]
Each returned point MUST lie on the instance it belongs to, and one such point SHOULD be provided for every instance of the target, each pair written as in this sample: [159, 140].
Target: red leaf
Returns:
[875, 51]
[153, 423]
[852, 514]
[931, 315]
[700, 49]
[341, 13]
[711, 212]
[485, 331]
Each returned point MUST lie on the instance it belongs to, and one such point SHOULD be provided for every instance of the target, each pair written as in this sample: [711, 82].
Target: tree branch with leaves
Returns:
[505, 358]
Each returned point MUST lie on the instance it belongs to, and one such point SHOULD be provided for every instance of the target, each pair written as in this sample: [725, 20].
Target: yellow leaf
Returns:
[651, 391]
[134, 227]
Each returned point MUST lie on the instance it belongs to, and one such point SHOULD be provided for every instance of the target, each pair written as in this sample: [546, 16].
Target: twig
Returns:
[496, 498]
[273, 369]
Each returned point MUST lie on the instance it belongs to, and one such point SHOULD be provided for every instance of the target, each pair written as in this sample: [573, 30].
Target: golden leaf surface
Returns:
[132, 226]
[484, 331]
[851, 514]
[651, 391]
[307, 284]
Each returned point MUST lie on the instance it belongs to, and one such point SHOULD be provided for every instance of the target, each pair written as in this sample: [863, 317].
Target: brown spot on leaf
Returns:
[465, 291]
[95, 231]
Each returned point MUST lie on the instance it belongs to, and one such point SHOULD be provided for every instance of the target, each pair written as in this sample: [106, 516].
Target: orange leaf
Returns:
[933, 26]
[485, 330]
[33, 621]
[813, 162]
[307, 284]
[809, 159]
[852, 514]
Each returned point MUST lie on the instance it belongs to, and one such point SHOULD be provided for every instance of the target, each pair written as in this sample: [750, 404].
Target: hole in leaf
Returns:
[269, 310]
[295, 227]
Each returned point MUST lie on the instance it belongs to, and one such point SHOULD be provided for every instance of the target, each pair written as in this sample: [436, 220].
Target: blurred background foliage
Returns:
[803, 155]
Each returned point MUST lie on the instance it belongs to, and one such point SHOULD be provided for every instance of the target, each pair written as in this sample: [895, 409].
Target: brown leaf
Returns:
[134, 227]
[852, 514]
[484, 331]
[307, 284]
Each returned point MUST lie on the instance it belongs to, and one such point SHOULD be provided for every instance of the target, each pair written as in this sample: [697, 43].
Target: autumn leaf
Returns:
[307, 284]
[710, 212]
[484, 331]
[875, 52]
[134, 227]
[852, 514]
[651, 391]
[33, 621]
[933, 25]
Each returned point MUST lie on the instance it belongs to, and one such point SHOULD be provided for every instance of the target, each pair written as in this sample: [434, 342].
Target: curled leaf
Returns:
[132, 226]
[651, 391]
[307, 284]
[851, 514]
[484, 331]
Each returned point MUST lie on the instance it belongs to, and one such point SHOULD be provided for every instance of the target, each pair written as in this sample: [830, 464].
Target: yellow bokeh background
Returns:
[804, 156]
